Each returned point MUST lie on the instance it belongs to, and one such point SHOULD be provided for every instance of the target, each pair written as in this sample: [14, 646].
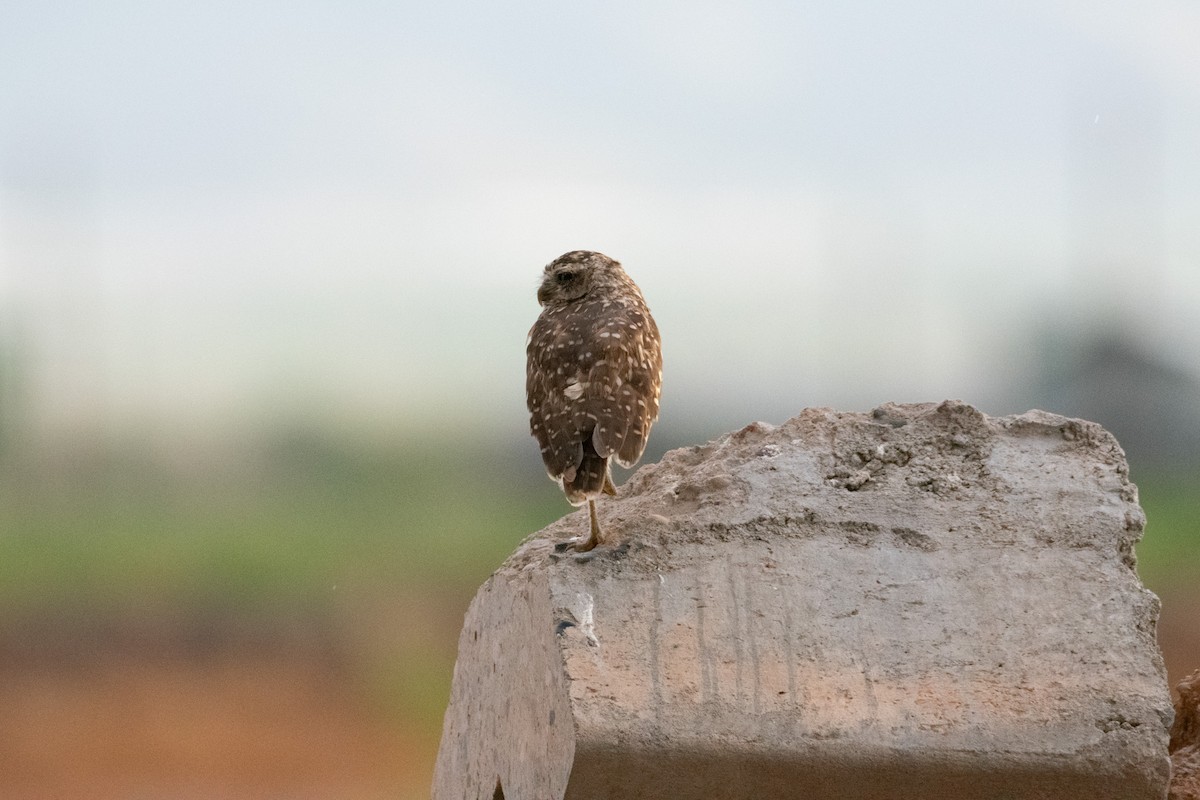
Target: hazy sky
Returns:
[223, 208]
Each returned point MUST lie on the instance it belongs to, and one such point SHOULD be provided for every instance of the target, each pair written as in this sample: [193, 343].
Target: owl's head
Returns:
[573, 275]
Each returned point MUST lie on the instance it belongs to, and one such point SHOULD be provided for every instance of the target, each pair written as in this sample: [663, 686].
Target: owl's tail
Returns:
[591, 477]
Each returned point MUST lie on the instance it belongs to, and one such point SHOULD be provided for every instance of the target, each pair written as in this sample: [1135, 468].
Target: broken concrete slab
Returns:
[1185, 741]
[917, 602]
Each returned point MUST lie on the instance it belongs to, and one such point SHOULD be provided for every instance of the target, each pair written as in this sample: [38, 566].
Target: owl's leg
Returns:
[594, 537]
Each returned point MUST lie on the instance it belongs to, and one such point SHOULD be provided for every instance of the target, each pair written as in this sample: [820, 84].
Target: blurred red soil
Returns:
[1179, 633]
[230, 727]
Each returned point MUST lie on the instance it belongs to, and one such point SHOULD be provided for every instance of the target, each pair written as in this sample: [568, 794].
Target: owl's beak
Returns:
[544, 293]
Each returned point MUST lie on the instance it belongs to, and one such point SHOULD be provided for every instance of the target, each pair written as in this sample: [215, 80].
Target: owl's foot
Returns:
[594, 536]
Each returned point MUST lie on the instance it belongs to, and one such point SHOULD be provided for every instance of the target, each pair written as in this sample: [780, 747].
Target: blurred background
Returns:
[266, 272]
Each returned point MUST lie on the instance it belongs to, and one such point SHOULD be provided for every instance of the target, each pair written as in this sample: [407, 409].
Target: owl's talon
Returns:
[584, 545]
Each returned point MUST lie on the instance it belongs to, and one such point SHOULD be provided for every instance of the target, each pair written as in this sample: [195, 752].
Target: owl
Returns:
[593, 375]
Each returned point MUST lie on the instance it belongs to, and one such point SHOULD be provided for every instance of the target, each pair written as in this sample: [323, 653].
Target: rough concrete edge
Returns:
[526, 593]
[1108, 779]
[539, 546]
[1185, 741]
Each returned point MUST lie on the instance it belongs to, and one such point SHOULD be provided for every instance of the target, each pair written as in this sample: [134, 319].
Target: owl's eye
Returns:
[564, 277]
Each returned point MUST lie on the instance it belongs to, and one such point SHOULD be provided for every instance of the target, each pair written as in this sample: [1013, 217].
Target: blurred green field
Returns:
[370, 549]
[282, 527]
[1169, 553]
[307, 515]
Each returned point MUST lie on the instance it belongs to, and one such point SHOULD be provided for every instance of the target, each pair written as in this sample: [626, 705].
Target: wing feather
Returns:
[551, 412]
[626, 385]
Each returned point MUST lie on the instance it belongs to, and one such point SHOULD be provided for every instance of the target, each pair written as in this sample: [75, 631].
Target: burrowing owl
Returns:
[592, 377]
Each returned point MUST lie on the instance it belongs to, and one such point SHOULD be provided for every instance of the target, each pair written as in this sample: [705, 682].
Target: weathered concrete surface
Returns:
[917, 602]
[1185, 740]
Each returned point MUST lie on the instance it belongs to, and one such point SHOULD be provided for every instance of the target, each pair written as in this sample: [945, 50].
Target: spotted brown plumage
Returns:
[593, 374]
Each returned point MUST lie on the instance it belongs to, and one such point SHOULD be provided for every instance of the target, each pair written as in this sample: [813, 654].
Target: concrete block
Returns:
[1185, 741]
[917, 602]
